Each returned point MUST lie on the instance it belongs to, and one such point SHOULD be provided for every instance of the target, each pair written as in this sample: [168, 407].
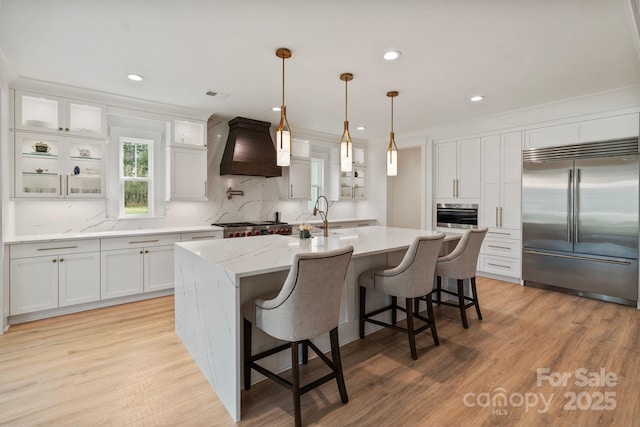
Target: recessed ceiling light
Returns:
[390, 55]
[361, 128]
[135, 77]
[275, 108]
[477, 98]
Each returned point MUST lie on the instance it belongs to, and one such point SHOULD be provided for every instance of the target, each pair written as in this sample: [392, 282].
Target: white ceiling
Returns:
[516, 53]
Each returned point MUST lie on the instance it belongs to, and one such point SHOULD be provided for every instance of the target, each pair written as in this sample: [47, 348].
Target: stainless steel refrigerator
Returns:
[580, 219]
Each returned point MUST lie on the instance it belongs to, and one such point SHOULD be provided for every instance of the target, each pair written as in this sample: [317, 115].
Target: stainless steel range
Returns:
[256, 228]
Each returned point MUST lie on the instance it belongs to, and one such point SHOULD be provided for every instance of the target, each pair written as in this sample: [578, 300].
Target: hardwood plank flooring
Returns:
[124, 365]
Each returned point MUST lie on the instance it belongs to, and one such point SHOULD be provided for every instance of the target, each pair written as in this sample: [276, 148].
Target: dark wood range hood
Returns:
[249, 149]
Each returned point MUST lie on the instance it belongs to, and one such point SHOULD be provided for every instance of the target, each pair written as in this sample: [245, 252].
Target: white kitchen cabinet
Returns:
[603, 129]
[353, 184]
[61, 167]
[300, 178]
[133, 265]
[52, 114]
[55, 274]
[189, 132]
[457, 165]
[186, 173]
[501, 181]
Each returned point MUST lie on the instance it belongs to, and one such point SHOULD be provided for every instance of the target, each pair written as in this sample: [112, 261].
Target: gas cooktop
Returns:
[253, 228]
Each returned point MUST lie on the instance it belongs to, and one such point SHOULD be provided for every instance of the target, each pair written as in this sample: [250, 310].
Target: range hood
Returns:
[249, 149]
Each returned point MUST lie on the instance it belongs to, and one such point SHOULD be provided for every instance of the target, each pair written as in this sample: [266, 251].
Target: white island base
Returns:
[213, 278]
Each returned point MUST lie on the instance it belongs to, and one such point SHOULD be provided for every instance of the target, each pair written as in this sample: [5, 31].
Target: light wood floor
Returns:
[124, 365]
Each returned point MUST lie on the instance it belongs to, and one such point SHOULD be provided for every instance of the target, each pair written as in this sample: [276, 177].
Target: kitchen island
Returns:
[213, 279]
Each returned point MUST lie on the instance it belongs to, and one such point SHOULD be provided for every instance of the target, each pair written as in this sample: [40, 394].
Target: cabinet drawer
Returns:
[503, 233]
[26, 250]
[138, 241]
[510, 267]
[201, 235]
[501, 247]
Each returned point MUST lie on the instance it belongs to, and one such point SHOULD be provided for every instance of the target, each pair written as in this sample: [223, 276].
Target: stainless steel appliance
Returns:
[256, 228]
[457, 215]
[580, 219]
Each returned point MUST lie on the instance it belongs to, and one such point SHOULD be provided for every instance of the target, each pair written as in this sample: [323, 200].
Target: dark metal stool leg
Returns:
[335, 355]
[475, 297]
[295, 383]
[394, 311]
[363, 296]
[438, 289]
[247, 354]
[432, 319]
[410, 330]
[305, 352]
[463, 310]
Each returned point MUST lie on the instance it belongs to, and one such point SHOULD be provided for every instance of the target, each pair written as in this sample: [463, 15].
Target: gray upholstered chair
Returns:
[308, 305]
[461, 264]
[411, 279]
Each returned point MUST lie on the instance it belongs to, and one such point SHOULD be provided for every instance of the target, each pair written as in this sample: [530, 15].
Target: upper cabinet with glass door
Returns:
[45, 113]
[189, 132]
[55, 166]
[352, 184]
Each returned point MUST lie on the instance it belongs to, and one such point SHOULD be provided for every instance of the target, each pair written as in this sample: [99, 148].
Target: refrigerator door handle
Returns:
[582, 258]
[576, 215]
[570, 205]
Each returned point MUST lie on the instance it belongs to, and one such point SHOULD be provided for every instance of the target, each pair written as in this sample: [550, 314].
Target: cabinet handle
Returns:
[497, 232]
[457, 187]
[500, 216]
[54, 260]
[141, 252]
[61, 259]
[146, 252]
[57, 248]
[496, 216]
[60, 129]
[498, 265]
[60, 186]
[144, 241]
[205, 188]
[499, 247]
[67, 185]
[66, 129]
[454, 188]
[291, 190]
[202, 237]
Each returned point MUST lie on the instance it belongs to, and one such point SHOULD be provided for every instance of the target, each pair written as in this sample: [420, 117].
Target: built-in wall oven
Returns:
[456, 215]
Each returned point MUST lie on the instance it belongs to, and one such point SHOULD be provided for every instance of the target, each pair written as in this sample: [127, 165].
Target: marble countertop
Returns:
[264, 254]
[12, 240]
[333, 221]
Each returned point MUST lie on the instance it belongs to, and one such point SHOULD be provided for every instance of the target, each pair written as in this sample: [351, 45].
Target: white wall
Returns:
[404, 195]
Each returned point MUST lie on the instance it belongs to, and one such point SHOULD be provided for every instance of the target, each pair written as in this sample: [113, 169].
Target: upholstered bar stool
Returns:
[412, 278]
[461, 264]
[308, 305]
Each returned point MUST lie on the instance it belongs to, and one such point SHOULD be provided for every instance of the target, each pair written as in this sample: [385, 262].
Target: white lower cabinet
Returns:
[135, 265]
[43, 276]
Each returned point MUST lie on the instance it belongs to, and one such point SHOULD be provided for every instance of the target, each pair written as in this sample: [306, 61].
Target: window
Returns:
[317, 180]
[136, 177]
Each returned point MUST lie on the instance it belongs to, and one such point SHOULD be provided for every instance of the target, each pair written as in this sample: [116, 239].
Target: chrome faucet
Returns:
[323, 214]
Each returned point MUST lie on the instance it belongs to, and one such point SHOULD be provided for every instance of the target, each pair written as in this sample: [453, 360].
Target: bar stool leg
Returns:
[305, 352]
[295, 383]
[475, 297]
[363, 295]
[410, 330]
[461, 303]
[337, 363]
[394, 312]
[247, 354]
[432, 319]
[439, 290]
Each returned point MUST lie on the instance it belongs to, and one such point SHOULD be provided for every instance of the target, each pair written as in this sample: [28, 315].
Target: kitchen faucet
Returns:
[323, 214]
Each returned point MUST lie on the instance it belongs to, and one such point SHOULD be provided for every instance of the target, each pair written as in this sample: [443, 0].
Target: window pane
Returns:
[135, 159]
[314, 172]
[136, 197]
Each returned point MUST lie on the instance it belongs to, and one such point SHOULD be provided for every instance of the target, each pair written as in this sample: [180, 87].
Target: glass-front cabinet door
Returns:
[37, 165]
[45, 113]
[84, 168]
[55, 166]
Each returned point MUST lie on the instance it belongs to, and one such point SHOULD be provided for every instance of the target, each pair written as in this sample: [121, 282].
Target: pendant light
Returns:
[392, 150]
[283, 134]
[346, 145]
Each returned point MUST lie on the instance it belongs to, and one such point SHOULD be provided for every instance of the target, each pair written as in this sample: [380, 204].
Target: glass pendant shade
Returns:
[346, 151]
[283, 140]
[392, 160]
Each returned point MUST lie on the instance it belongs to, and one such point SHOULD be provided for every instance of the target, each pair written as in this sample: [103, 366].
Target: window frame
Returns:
[321, 160]
[149, 179]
